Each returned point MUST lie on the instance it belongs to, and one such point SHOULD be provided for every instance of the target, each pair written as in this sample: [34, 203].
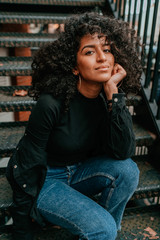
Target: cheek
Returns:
[84, 66]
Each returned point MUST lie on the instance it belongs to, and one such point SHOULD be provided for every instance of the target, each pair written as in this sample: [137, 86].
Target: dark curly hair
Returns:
[53, 64]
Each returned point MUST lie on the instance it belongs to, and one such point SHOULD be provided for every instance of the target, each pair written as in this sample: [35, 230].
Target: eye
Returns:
[107, 50]
[89, 53]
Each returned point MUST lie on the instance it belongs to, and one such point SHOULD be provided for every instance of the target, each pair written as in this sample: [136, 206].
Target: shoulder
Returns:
[47, 101]
[47, 107]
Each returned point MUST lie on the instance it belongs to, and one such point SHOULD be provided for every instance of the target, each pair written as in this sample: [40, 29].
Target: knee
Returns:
[102, 230]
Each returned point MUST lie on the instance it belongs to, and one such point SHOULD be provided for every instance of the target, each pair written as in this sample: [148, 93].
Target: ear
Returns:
[75, 71]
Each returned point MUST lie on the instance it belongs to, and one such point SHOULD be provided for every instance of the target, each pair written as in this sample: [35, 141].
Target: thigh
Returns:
[62, 205]
[101, 172]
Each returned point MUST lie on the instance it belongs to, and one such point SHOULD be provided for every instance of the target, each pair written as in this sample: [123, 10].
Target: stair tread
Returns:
[10, 103]
[11, 39]
[149, 184]
[25, 17]
[57, 2]
[134, 222]
[140, 225]
[16, 103]
[15, 66]
[11, 133]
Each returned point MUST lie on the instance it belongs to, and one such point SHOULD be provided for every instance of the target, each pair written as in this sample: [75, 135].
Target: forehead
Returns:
[93, 39]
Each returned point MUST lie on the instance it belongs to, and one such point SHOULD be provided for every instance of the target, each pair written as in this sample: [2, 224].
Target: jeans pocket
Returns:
[56, 173]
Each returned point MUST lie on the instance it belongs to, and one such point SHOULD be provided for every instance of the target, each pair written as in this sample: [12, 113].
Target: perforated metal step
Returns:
[9, 102]
[11, 133]
[58, 2]
[15, 66]
[26, 18]
[138, 223]
[25, 39]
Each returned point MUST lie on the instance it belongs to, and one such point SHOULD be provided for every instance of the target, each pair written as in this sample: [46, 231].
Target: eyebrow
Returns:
[93, 46]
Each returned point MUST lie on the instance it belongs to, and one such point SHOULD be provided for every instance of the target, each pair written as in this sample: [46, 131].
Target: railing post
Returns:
[155, 76]
[140, 18]
[120, 7]
[134, 15]
[124, 9]
[149, 63]
[129, 10]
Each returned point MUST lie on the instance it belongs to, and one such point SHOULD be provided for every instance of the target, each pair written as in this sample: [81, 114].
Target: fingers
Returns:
[118, 73]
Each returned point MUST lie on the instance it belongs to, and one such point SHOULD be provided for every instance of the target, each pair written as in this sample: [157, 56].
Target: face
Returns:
[95, 61]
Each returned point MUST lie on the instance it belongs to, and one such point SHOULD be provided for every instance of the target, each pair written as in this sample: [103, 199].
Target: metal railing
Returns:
[144, 17]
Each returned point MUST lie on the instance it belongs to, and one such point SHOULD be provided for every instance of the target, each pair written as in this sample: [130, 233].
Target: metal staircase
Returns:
[142, 215]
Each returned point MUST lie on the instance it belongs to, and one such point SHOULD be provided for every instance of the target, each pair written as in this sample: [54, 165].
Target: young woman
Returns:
[79, 137]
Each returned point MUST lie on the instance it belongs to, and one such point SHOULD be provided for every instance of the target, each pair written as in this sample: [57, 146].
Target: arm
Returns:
[120, 136]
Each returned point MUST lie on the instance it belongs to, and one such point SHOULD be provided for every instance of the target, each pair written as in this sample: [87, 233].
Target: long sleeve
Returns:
[29, 161]
[119, 136]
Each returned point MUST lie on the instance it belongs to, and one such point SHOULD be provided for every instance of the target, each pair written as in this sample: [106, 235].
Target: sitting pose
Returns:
[79, 137]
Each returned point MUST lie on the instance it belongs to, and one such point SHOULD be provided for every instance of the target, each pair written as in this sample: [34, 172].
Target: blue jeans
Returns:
[65, 200]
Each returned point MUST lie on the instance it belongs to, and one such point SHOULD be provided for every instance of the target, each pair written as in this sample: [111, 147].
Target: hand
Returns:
[110, 87]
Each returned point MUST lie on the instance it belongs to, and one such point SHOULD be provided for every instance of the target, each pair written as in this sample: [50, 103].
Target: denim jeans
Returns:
[65, 200]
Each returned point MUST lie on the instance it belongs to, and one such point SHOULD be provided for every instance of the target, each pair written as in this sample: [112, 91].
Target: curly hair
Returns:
[53, 64]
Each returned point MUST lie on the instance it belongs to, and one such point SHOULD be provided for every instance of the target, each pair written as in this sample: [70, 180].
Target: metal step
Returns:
[15, 66]
[25, 39]
[149, 180]
[149, 183]
[36, 18]
[58, 2]
[11, 132]
[11, 103]
[141, 224]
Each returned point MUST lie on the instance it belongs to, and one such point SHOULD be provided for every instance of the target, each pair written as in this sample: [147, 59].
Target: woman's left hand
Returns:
[110, 87]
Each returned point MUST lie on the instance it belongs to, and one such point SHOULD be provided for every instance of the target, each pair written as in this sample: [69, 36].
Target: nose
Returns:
[101, 56]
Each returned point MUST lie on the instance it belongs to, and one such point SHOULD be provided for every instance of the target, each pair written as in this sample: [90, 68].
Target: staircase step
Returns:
[25, 39]
[149, 183]
[136, 221]
[15, 66]
[58, 2]
[11, 103]
[36, 18]
[11, 133]
[136, 225]
[143, 136]
[141, 224]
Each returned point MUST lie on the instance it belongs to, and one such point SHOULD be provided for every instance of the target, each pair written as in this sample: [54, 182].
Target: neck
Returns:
[89, 89]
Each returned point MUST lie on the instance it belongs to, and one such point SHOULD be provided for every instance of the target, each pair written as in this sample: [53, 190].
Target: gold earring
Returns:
[75, 72]
[80, 81]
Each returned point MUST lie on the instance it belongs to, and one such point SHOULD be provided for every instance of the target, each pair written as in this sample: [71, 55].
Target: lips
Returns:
[103, 67]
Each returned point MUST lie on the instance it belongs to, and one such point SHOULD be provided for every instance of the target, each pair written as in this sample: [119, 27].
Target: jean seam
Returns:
[60, 217]
[110, 195]
[102, 175]
[95, 175]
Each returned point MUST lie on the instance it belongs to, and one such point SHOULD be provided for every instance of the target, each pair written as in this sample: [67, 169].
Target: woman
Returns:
[79, 137]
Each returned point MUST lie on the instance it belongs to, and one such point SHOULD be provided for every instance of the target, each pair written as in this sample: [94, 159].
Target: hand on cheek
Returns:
[110, 87]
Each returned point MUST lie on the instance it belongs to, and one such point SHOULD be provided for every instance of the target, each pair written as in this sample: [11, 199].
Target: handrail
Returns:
[143, 16]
